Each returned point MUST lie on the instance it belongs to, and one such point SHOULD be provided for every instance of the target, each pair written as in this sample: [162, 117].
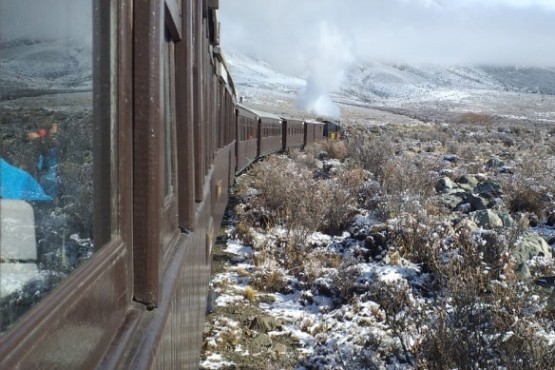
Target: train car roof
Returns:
[313, 122]
[259, 114]
[292, 119]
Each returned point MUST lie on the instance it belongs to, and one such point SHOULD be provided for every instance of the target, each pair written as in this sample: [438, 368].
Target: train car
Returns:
[124, 157]
[314, 132]
[247, 137]
[293, 134]
[271, 133]
[332, 129]
[115, 171]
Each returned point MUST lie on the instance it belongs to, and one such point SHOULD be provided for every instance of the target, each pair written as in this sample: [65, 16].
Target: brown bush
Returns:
[336, 149]
[476, 118]
[269, 281]
[372, 153]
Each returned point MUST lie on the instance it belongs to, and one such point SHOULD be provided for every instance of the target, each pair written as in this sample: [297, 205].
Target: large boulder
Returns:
[444, 184]
[265, 324]
[467, 182]
[530, 245]
[486, 219]
[488, 189]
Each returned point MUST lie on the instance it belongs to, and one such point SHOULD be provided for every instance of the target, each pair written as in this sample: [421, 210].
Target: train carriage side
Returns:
[246, 137]
[160, 120]
[314, 132]
[271, 133]
[224, 157]
[293, 134]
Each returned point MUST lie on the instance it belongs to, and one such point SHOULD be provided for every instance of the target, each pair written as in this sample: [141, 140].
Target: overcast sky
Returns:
[46, 19]
[289, 33]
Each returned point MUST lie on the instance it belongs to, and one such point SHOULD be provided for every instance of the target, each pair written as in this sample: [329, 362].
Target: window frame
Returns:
[156, 225]
[102, 284]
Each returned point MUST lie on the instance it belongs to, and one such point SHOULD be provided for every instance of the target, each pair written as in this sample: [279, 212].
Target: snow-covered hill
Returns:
[30, 67]
[504, 91]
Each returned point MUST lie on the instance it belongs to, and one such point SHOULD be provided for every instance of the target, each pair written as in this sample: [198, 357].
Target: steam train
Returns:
[162, 141]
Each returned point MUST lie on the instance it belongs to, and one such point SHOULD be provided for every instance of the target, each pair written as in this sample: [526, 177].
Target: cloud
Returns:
[497, 32]
[50, 20]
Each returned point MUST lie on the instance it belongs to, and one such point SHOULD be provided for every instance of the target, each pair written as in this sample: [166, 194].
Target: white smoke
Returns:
[328, 59]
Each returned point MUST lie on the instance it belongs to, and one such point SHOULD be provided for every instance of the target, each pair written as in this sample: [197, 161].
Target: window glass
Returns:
[46, 148]
[168, 96]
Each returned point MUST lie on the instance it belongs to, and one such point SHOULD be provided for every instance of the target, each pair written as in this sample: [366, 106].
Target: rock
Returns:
[451, 157]
[211, 300]
[530, 245]
[445, 183]
[550, 221]
[477, 203]
[467, 224]
[319, 164]
[494, 163]
[486, 219]
[533, 219]
[447, 172]
[281, 348]
[466, 187]
[376, 245]
[507, 170]
[468, 180]
[506, 218]
[523, 272]
[262, 340]
[488, 189]
[451, 201]
[264, 324]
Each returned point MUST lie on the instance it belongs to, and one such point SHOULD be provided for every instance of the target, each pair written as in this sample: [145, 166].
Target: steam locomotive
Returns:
[110, 270]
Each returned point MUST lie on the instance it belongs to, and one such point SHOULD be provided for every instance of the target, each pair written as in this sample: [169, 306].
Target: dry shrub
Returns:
[476, 118]
[524, 199]
[269, 281]
[482, 312]
[418, 238]
[342, 196]
[344, 283]
[313, 150]
[413, 176]
[395, 299]
[372, 153]
[243, 232]
[407, 184]
[302, 204]
[336, 149]
[250, 294]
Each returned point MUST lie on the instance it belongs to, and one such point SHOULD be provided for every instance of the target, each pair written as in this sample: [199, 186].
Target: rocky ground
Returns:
[411, 245]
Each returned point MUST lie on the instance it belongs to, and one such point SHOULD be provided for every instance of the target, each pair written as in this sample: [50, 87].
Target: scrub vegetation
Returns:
[401, 247]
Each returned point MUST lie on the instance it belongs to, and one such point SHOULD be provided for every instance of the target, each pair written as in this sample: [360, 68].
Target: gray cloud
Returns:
[46, 20]
[501, 32]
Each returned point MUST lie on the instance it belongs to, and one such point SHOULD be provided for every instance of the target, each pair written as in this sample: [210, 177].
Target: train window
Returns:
[47, 149]
[168, 120]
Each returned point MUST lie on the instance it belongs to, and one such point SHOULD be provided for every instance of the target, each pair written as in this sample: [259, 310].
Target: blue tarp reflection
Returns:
[16, 183]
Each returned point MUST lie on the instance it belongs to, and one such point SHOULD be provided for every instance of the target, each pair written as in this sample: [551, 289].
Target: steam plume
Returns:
[329, 58]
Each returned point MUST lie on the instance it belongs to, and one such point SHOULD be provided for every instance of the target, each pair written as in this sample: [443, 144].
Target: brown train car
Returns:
[247, 137]
[158, 135]
[271, 131]
[314, 131]
[293, 134]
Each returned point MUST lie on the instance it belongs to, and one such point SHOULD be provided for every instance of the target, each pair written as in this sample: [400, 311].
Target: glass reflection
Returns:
[45, 147]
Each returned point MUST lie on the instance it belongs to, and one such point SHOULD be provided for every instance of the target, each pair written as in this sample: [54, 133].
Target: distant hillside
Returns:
[373, 81]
